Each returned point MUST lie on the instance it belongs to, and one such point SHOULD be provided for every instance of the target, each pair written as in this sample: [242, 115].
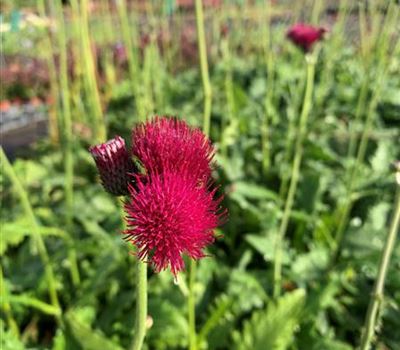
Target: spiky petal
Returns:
[169, 144]
[169, 215]
[305, 36]
[114, 164]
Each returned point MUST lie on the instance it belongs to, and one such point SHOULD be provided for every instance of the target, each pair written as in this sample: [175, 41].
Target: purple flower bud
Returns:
[114, 164]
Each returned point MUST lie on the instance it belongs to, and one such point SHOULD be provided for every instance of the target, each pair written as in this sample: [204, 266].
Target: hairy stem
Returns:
[141, 305]
[192, 306]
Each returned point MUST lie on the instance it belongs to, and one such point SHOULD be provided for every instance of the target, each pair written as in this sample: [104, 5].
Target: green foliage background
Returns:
[324, 303]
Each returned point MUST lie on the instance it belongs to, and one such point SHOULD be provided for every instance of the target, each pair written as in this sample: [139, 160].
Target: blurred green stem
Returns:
[377, 294]
[362, 99]
[53, 112]
[318, 5]
[130, 43]
[230, 97]
[40, 245]
[90, 74]
[141, 305]
[67, 138]
[269, 62]
[201, 39]
[310, 60]
[192, 306]
[5, 305]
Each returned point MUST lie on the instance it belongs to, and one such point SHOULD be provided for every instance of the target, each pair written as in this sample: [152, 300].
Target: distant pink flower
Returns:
[169, 215]
[305, 36]
[169, 144]
[114, 164]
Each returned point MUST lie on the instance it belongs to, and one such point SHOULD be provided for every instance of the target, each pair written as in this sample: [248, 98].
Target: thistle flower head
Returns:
[169, 215]
[305, 36]
[114, 164]
[168, 144]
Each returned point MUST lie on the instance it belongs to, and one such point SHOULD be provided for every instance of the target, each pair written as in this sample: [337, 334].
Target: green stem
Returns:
[269, 62]
[201, 38]
[230, 98]
[377, 294]
[141, 305]
[316, 11]
[295, 173]
[40, 245]
[192, 306]
[53, 113]
[362, 99]
[67, 138]
[90, 73]
[130, 42]
[291, 136]
[141, 297]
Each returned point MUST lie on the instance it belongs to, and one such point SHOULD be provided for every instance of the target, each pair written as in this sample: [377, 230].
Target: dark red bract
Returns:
[168, 215]
[305, 36]
[114, 164]
[169, 144]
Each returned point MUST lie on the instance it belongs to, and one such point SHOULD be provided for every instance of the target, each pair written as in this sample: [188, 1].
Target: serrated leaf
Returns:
[310, 265]
[274, 327]
[217, 312]
[13, 233]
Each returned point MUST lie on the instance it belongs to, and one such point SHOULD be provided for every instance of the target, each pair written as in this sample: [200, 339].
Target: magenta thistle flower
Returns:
[305, 36]
[114, 164]
[169, 215]
[169, 144]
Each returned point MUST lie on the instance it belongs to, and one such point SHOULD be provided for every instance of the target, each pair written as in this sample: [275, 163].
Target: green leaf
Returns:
[8, 340]
[13, 233]
[253, 191]
[217, 312]
[84, 336]
[273, 329]
[311, 265]
[382, 157]
[329, 344]
[59, 341]
[265, 245]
